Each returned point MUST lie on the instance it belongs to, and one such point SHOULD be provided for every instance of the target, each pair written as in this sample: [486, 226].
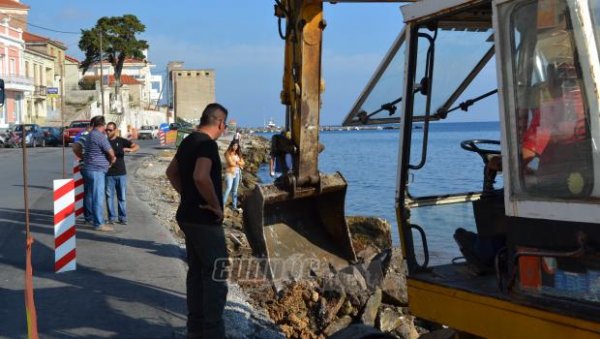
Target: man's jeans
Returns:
[206, 292]
[87, 207]
[232, 181]
[95, 196]
[116, 183]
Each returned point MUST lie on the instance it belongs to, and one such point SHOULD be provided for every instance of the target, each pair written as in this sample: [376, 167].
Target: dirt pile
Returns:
[322, 305]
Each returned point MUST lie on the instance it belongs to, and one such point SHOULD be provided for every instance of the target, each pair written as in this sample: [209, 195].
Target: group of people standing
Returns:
[102, 164]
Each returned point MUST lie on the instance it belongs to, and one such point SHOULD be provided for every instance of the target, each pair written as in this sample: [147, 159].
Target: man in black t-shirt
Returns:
[116, 177]
[195, 173]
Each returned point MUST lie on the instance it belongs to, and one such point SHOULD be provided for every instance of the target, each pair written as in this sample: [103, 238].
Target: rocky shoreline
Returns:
[370, 292]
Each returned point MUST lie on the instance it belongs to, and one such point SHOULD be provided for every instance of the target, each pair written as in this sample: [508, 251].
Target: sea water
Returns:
[368, 160]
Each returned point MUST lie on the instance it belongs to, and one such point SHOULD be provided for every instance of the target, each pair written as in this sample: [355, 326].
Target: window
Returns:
[552, 119]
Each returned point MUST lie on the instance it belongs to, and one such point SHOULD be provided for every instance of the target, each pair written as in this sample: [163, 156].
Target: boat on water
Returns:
[271, 126]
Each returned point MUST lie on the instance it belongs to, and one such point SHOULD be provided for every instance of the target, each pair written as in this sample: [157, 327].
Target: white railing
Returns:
[16, 79]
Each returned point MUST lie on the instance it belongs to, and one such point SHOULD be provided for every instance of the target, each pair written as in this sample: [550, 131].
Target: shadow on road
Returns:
[95, 300]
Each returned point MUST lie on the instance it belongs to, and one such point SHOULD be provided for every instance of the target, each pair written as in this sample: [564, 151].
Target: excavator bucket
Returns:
[296, 232]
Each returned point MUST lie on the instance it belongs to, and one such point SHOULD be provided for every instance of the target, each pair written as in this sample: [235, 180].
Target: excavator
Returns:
[530, 232]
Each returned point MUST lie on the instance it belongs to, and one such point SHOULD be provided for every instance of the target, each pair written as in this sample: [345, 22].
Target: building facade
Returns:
[190, 90]
[72, 74]
[12, 71]
[56, 50]
[15, 13]
[40, 67]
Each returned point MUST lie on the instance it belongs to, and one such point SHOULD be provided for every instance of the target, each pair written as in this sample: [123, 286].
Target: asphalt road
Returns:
[128, 284]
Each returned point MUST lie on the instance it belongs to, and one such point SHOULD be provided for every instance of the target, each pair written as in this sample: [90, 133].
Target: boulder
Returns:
[394, 281]
[370, 311]
[338, 325]
[389, 319]
[371, 231]
[407, 329]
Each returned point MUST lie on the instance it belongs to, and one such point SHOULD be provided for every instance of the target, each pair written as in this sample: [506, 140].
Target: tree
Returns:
[119, 42]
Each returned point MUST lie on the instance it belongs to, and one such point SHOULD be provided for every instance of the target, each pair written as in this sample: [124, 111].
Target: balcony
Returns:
[40, 91]
[16, 82]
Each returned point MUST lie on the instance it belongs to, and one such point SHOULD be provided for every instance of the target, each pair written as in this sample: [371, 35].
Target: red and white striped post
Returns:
[162, 137]
[79, 192]
[64, 225]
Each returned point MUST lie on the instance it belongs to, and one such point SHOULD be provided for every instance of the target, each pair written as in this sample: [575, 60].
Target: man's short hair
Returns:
[97, 121]
[211, 114]
[112, 123]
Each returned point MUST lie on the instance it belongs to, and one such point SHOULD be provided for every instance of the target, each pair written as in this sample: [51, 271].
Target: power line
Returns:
[53, 30]
[42, 27]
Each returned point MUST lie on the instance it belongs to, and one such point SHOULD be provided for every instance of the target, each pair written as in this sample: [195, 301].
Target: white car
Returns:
[148, 132]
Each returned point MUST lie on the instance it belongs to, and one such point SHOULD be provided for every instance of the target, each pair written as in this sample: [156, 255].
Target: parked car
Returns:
[34, 136]
[10, 138]
[148, 132]
[174, 126]
[4, 134]
[74, 129]
[52, 135]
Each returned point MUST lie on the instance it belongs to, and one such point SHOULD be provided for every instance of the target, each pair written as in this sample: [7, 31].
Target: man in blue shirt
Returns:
[98, 157]
[78, 150]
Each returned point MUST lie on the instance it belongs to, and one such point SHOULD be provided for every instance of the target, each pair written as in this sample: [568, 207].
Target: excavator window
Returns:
[552, 114]
[595, 8]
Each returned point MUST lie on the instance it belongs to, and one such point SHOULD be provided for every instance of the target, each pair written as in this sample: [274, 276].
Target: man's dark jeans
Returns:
[206, 293]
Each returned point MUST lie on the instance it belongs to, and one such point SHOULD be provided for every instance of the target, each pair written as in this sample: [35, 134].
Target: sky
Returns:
[239, 40]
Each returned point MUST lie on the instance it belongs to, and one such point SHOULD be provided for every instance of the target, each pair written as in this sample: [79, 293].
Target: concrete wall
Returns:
[135, 95]
[80, 96]
[72, 75]
[194, 89]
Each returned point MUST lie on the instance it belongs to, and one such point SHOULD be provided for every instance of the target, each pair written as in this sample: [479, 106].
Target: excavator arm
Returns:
[299, 221]
[302, 81]
[302, 85]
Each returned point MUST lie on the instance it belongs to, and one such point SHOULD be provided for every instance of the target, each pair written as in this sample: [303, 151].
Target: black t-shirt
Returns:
[118, 168]
[194, 146]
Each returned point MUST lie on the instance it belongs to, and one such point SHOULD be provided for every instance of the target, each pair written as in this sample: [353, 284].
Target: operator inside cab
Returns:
[552, 130]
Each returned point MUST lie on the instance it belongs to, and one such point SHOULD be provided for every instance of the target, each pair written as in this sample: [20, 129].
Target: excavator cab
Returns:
[532, 179]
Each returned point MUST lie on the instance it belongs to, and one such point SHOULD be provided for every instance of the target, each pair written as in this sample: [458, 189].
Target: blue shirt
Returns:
[96, 151]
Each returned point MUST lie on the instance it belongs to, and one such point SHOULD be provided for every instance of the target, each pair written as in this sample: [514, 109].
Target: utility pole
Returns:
[62, 110]
[101, 74]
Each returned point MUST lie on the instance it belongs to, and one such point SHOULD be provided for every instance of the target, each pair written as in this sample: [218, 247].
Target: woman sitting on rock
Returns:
[234, 163]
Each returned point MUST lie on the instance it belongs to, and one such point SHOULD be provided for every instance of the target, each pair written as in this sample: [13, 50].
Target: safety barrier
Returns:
[79, 192]
[64, 225]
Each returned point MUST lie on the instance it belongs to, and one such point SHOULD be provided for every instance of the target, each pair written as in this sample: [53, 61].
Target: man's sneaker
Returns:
[123, 222]
[105, 228]
[111, 222]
